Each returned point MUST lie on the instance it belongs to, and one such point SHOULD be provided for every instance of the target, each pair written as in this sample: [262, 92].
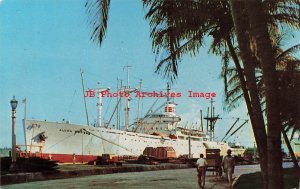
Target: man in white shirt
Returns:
[201, 167]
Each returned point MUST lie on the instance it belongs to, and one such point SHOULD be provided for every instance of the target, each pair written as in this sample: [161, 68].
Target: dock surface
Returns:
[173, 178]
[179, 178]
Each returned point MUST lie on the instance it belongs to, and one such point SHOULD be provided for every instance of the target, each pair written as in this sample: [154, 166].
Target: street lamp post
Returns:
[14, 104]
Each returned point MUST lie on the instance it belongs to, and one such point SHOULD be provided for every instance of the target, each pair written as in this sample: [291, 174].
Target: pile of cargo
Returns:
[160, 153]
[108, 159]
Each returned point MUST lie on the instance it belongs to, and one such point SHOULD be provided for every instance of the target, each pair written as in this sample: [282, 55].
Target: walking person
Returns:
[228, 166]
[201, 168]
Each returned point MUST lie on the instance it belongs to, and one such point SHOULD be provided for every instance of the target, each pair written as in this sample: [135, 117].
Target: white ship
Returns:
[67, 142]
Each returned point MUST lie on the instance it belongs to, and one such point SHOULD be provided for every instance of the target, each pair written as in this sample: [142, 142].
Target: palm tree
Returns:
[240, 22]
[178, 27]
[258, 29]
[288, 72]
[174, 24]
[172, 31]
[287, 68]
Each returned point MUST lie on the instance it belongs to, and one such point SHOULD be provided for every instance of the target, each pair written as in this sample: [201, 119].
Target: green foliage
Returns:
[97, 11]
[179, 27]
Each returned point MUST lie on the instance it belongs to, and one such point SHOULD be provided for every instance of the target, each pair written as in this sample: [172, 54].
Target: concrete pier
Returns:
[128, 176]
[175, 178]
[77, 170]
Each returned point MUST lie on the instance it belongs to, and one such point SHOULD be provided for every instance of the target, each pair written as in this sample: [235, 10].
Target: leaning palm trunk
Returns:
[288, 144]
[243, 83]
[259, 31]
[256, 123]
[241, 77]
[249, 69]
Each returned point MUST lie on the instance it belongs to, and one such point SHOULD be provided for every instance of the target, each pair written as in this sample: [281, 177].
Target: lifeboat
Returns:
[172, 136]
[155, 134]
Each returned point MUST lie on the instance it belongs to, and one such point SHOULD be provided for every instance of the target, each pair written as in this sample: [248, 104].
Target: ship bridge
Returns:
[160, 123]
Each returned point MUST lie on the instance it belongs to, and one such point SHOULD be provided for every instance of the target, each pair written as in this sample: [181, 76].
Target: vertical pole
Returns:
[100, 108]
[138, 110]
[128, 86]
[211, 107]
[210, 121]
[201, 121]
[86, 112]
[81, 146]
[13, 166]
[207, 130]
[168, 92]
[120, 106]
[117, 104]
[24, 101]
[24, 123]
[213, 122]
[190, 143]
[127, 89]
[99, 105]
[13, 150]
[127, 112]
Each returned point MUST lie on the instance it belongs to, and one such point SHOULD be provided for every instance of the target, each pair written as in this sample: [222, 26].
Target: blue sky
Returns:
[43, 45]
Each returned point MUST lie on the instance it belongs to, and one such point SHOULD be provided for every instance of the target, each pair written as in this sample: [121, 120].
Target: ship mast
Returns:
[168, 92]
[211, 121]
[127, 90]
[99, 104]
[117, 124]
[201, 121]
[120, 107]
[138, 108]
[82, 83]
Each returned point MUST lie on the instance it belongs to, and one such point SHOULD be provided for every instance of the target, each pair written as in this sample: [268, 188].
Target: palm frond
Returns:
[98, 17]
[288, 52]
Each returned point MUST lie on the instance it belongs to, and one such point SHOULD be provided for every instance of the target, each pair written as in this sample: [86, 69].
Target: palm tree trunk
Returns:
[241, 76]
[288, 144]
[255, 123]
[249, 69]
[259, 30]
[297, 86]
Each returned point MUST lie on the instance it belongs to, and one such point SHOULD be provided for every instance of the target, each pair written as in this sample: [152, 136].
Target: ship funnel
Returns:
[170, 109]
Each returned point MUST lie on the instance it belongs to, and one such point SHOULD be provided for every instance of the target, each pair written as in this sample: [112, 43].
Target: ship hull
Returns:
[68, 158]
[65, 142]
